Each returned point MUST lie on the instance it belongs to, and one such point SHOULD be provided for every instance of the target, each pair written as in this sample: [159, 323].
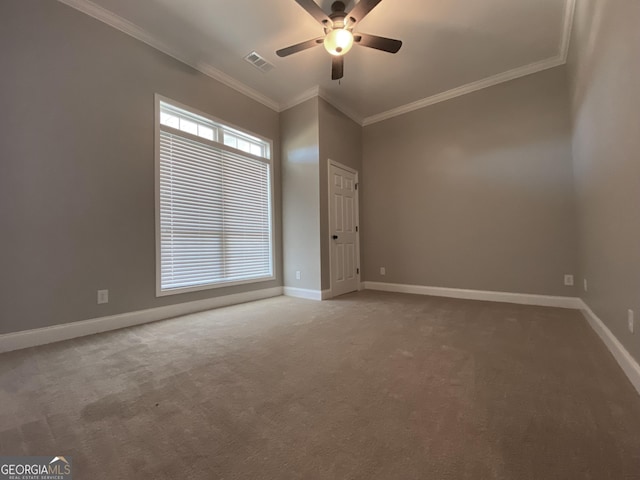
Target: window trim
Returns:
[269, 161]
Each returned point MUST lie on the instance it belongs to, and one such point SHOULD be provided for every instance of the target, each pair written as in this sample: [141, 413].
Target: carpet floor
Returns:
[368, 386]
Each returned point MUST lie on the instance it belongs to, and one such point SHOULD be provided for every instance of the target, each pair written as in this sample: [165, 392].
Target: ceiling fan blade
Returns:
[315, 11]
[379, 43]
[361, 10]
[337, 68]
[298, 47]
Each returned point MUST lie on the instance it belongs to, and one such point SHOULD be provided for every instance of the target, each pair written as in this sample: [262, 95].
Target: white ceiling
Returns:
[450, 47]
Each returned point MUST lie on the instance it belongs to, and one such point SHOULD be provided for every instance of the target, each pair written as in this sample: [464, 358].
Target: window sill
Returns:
[211, 286]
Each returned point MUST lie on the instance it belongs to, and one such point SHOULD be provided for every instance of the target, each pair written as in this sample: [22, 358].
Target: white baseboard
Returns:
[622, 356]
[505, 297]
[56, 333]
[307, 294]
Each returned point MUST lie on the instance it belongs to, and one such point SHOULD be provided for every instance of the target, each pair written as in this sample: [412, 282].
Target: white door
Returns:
[343, 229]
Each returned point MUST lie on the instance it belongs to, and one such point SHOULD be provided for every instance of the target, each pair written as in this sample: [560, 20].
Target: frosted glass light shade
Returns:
[338, 42]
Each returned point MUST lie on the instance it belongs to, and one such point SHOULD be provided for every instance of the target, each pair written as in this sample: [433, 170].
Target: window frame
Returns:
[267, 160]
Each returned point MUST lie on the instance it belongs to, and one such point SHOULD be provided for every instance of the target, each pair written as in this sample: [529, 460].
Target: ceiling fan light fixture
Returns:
[338, 41]
[338, 38]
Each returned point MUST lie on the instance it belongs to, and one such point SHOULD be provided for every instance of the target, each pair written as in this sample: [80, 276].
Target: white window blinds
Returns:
[214, 205]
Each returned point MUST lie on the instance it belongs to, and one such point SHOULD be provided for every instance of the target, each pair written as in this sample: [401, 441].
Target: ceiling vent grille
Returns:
[259, 62]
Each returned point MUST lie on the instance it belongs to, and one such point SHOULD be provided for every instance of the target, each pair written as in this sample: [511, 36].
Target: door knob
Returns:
[335, 237]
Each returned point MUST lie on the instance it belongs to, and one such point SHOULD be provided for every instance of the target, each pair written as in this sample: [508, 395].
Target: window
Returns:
[214, 203]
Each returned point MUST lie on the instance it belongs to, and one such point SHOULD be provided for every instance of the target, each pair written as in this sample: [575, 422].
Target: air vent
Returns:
[259, 62]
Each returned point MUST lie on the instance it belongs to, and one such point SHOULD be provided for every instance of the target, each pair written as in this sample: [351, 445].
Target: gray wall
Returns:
[475, 192]
[301, 197]
[312, 133]
[604, 69]
[77, 164]
[341, 141]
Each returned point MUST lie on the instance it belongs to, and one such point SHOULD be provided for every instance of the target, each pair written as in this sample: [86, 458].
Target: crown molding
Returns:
[313, 92]
[335, 104]
[465, 89]
[319, 92]
[560, 59]
[99, 13]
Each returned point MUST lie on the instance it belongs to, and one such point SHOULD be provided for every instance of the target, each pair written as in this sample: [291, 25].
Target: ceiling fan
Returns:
[338, 33]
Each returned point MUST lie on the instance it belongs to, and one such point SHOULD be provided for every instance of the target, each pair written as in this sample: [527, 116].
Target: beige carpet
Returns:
[368, 386]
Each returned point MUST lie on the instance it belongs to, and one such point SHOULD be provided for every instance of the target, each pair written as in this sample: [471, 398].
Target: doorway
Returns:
[344, 238]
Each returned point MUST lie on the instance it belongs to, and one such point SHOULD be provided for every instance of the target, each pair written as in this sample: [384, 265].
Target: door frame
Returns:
[334, 163]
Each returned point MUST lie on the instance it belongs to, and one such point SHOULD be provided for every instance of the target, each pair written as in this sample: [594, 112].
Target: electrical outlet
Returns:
[298, 275]
[383, 271]
[586, 286]
[568, 280]
[103, 296]
[630, 320]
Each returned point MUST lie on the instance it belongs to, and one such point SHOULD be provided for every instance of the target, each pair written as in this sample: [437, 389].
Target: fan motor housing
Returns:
[338, 14]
